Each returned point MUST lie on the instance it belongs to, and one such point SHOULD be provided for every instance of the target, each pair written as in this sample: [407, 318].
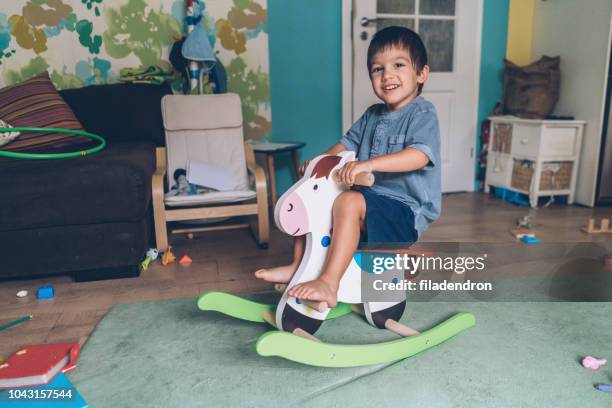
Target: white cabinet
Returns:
[534, 157]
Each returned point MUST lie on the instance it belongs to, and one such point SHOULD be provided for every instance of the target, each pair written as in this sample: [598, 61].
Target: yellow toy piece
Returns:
[168, 257]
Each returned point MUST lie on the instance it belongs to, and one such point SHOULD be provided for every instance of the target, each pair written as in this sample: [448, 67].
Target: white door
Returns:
[451, 31]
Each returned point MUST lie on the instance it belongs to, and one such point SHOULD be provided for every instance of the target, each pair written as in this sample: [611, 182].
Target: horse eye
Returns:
[316, 187]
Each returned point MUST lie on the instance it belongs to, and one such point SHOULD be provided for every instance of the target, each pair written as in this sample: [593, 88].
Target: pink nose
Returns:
[293, 216]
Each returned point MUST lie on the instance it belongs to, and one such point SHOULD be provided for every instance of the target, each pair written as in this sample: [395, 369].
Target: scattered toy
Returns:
[603, 228]
[519, 233]
[525, 228]
[168, 257]
[604, 387]
[593, 363]
[37, 364]
[16, 322]
[185, 260]
[530, 240]
[152, 255]
[45, 292]
[22, 293]
[524, 222]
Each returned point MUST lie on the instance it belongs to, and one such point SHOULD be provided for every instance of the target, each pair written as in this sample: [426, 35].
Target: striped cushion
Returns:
[36, 103]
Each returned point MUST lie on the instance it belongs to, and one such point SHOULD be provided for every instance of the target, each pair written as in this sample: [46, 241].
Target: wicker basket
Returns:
[502, 138]
[554, 175]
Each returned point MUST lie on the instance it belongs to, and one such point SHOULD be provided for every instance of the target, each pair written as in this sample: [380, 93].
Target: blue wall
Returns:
[493, 52]
[305, 45]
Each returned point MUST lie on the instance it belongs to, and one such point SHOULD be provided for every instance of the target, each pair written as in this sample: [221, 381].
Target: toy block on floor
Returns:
[519, 233]
[45, 292]
[604, 227]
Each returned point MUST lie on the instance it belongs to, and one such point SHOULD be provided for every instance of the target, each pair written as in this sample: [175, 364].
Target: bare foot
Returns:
[280, 274]
[316, 290]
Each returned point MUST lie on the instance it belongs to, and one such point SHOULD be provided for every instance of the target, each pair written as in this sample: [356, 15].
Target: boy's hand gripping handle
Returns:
[362, 179]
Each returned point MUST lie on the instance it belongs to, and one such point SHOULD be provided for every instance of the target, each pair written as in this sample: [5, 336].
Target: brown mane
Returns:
[324, 166]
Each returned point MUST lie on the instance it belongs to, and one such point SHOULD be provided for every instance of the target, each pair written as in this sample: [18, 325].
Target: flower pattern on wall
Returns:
[87, 42]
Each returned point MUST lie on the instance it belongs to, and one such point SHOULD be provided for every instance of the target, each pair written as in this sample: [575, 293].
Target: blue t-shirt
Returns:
[379, 132]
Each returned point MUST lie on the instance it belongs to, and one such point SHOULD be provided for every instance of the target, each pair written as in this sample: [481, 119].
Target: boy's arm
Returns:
[408, 159]
[423, 151]
[335, 149]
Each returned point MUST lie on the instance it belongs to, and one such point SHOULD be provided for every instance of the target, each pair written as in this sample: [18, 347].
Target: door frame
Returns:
[347, 73]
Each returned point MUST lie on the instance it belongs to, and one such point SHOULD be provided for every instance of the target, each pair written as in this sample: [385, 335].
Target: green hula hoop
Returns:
[46, 156]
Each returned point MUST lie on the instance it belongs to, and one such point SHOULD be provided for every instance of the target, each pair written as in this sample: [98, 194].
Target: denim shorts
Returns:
[387, 220]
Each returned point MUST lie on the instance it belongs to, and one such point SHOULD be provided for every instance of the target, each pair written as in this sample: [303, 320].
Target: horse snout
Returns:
[293, 216]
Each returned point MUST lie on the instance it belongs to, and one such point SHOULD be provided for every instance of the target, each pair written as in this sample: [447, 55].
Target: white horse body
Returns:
[306, 209]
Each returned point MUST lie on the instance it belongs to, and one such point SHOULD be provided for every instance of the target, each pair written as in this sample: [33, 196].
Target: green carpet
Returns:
[170, 354]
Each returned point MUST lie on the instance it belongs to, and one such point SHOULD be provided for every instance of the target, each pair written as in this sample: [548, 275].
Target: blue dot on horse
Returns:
[394, 280]
[325, 241]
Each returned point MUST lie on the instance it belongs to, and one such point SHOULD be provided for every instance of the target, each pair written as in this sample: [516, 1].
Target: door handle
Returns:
[366, 21]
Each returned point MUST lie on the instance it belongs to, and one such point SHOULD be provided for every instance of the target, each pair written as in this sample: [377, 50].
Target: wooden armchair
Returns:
[208, 127]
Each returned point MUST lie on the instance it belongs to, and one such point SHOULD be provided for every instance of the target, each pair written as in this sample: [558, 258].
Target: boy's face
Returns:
[394, 78]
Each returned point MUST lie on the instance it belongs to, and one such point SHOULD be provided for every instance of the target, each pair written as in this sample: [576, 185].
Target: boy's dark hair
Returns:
[400, 37]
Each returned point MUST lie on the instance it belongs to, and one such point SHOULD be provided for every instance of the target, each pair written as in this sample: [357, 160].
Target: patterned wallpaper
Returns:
[85, 42]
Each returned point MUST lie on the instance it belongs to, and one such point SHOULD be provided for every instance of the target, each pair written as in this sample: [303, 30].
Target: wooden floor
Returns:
[225, 261]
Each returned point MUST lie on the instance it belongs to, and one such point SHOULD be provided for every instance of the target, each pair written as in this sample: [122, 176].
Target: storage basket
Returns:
[502, 138]
[554, 175]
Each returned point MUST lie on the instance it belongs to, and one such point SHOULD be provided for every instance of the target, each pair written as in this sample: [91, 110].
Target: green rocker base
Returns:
[307, 351]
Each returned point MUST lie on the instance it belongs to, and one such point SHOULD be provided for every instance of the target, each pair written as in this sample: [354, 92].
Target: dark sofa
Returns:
[89, 217]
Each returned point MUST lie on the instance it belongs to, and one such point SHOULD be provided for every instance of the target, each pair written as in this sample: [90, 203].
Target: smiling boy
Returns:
[399, 141]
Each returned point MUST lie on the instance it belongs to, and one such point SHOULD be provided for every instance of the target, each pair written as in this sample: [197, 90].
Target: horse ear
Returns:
[312, 164]
[347, 156]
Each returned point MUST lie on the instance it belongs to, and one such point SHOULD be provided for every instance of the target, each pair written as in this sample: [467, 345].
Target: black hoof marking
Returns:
[394, 312]
[292, 319]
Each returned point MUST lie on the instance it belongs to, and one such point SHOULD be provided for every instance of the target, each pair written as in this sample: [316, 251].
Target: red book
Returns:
[37, 364]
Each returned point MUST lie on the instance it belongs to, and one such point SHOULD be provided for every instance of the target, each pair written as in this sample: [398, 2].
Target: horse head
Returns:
[308, 203]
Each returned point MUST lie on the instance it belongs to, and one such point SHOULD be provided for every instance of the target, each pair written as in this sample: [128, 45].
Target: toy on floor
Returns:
[529, 239]
[185, 260]
[37, 364]
[45, 292]
[16, 322]
[593, 363]
[520, 233]
[152, 255]
[306, 209]
[604, 387]
[604, 227]
[168, 257]
[525, 222]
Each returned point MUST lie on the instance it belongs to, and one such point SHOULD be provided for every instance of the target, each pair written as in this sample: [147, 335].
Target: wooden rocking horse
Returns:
[306, 209]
